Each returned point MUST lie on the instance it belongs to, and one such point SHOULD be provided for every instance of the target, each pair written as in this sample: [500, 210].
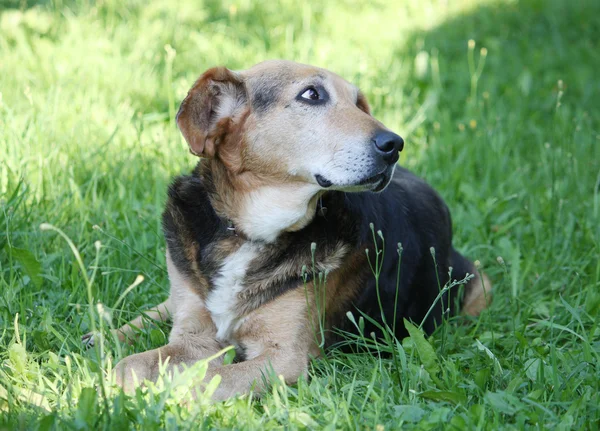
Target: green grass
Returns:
[88, 94]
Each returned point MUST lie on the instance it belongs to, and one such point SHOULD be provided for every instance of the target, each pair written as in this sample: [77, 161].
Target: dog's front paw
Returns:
[131, 371]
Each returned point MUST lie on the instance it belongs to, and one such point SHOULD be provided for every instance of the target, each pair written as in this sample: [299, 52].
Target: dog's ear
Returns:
[217, 95]
[362, 103]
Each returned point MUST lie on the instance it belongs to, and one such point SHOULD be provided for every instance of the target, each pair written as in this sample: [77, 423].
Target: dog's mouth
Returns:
[375, 183]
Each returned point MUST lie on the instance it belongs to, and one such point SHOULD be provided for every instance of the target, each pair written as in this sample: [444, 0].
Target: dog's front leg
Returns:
[133, 370]
[255, 374]
[192, 338]
[277, 339]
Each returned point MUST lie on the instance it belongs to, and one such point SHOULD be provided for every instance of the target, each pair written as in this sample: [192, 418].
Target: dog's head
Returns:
[284, 122]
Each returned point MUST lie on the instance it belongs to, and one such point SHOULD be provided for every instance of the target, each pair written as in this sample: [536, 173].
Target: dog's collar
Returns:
[233, 231]
[321, 212]
[231, 227]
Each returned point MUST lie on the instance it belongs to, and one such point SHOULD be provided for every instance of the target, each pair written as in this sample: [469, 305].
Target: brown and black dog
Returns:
[293, 171]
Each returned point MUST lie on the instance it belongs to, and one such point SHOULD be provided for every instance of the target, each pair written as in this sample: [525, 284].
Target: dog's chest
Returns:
[227, 283]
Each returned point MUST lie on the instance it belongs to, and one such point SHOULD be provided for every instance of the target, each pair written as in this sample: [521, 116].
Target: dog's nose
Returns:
[388, 144]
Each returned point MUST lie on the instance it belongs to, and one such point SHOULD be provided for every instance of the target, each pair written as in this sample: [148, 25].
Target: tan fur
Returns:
[342, 285]
[224, 248]
[278, 338]
[478, 295]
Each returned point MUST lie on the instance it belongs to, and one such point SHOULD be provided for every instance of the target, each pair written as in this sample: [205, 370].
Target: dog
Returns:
[296, 200]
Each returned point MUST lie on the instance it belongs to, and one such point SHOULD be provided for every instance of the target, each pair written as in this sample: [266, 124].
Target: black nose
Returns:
[388, 144]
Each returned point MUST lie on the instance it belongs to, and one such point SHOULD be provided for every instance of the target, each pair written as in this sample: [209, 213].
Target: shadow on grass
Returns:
[508, 158]
[531, 45]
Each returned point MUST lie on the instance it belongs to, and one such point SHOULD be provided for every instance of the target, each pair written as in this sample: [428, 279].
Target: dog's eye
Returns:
[313, 95]
[310, 93]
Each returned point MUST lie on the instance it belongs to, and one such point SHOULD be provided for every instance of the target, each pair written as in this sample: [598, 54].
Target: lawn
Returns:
[499, 104]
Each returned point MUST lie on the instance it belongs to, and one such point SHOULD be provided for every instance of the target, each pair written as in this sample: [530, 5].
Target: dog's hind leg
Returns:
[478, 295]
[478, 291]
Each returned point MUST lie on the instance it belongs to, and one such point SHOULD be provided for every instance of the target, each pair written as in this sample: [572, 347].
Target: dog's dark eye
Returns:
[310, 93]
[313, 95]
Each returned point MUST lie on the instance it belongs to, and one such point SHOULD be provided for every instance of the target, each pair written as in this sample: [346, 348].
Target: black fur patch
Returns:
[264, 96]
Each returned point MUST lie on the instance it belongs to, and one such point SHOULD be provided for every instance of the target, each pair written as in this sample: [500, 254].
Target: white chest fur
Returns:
[269, 210]
[228, 282]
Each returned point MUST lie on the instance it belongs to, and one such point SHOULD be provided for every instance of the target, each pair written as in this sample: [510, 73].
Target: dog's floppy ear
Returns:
[216, 95]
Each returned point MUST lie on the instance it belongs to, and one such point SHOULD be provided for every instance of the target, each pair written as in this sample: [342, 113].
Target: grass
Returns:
[506, 128]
